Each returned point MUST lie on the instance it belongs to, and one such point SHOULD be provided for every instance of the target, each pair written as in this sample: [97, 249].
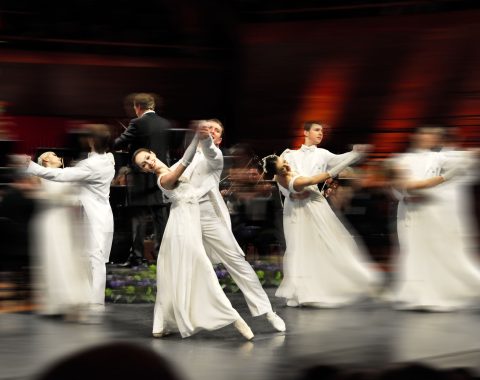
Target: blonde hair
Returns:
[42, 157]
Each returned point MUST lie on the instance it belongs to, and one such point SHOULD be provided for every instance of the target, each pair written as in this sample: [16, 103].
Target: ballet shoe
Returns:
[161, 334]
[277, 322]
[243, 329]
[292, 303]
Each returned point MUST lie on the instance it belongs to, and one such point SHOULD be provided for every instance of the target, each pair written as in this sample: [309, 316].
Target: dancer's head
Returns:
[99, 137]
[426, 137]
[274, 164]
[216, 128]
[145, 160]
[313, 132]
[50, 160]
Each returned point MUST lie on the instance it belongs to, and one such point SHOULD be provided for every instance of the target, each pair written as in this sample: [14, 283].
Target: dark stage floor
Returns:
[368, 335]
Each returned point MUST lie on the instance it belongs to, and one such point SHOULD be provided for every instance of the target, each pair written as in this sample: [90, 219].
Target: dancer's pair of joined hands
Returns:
[20, 160]
[201, 127]
[362, 148]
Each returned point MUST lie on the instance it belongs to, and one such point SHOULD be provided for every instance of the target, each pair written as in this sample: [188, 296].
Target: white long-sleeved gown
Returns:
[436, 268]
[93, 177]
[189, 297]
[61, 270]
[323, 264]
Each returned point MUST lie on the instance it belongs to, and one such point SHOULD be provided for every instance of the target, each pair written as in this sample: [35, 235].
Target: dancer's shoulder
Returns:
[322, 151]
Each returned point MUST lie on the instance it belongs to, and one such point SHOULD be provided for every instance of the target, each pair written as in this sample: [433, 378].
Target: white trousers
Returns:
[99, 245]
[220, 244]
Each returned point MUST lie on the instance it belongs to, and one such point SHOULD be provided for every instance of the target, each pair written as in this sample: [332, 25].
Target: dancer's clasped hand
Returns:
[203, 131]
[201, 128]
[20, 160]
[362, 148]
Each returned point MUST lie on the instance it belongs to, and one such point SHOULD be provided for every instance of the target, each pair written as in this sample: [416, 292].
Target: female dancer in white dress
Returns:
[93, 177]
[436, 269]
[323, 266]
[61, 273]
[189, 297]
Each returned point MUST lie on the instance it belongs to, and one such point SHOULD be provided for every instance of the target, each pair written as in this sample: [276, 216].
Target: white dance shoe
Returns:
[292, 303]
[161, 334]
[277, 322]
[94, 314]
[243, 329]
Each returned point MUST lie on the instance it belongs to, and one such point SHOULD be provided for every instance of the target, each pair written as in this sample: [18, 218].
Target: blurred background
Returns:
[371, 71]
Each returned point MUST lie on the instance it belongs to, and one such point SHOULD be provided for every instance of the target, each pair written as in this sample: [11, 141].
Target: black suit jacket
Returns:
[148, 131]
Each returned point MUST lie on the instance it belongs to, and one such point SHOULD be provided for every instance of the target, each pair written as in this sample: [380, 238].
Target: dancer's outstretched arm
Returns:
[357, 152]
[301, 183]
[423, 183]
[212, 153]
[168, 177]
[80, 173]
[433, 181]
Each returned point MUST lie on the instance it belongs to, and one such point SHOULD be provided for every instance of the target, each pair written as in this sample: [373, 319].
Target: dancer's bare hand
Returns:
[203, 132]
[201, 128]
[20, 160]
[362, 148]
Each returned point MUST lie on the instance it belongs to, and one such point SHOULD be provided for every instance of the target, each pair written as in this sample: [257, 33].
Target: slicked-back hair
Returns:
[100, 133]
[308, 124]
[144, 101]
[219, 123]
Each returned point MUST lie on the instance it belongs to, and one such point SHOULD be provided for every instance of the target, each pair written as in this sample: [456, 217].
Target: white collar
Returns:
[91, 154]
[147, 111]
[305, 148]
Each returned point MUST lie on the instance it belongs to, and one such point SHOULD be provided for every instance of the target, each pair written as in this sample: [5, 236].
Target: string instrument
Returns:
[250, 179]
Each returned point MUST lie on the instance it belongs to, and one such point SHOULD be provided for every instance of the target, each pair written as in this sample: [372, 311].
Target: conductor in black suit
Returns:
[149, 131]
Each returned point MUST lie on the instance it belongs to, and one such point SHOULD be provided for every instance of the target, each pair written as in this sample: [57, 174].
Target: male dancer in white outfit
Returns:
[316, 238]
[93, 176]
[310, 160]
[204, 174]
